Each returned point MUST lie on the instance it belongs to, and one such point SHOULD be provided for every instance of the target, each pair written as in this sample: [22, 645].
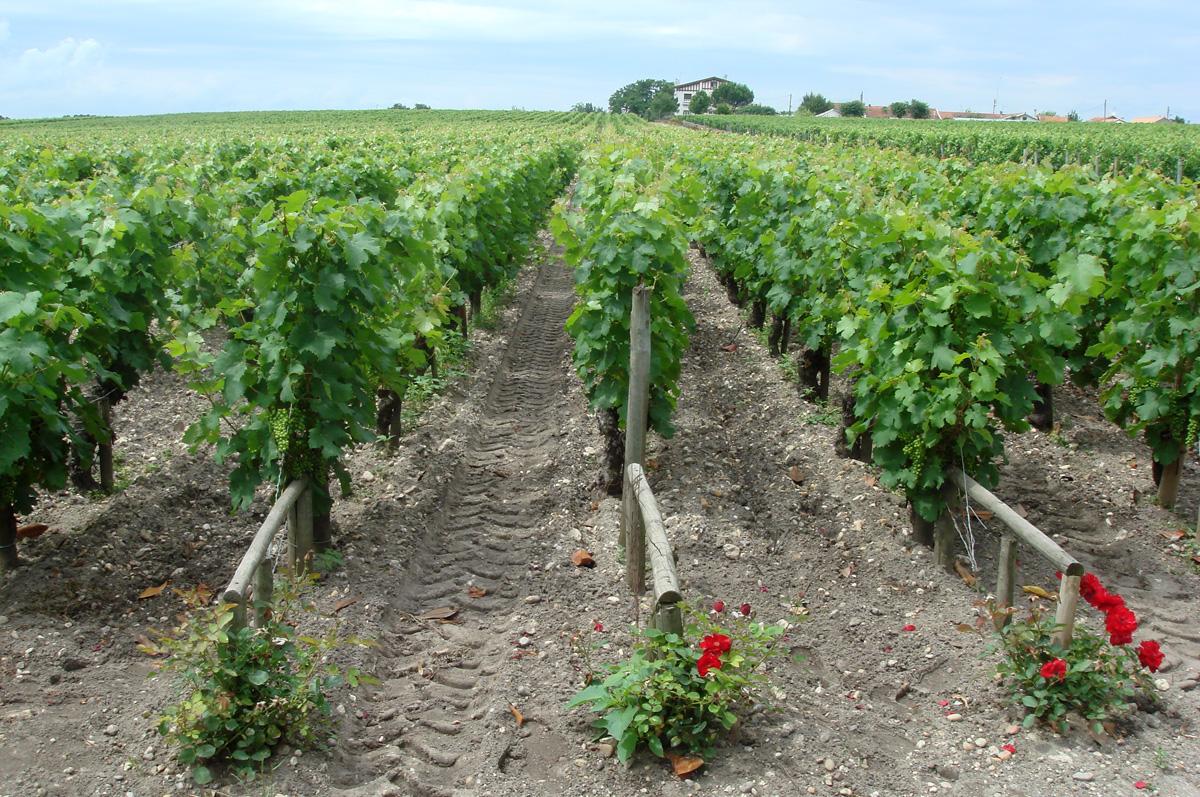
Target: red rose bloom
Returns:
[1108, 602]
[1150, 655]
[718, 606]
[909, 627]
[1010, 747]
[597, 626]
[1090, 588]
[745, 610]
[1055, 669]
[708, 661]
[1120, 625]
[715, 643]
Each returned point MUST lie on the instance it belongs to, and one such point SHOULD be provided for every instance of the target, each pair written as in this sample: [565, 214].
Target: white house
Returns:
[685, 91]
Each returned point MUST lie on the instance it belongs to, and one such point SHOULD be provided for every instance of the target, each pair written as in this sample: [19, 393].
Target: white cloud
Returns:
[68, 54]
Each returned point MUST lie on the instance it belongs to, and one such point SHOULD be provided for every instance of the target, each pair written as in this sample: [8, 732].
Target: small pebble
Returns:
[1086, 777]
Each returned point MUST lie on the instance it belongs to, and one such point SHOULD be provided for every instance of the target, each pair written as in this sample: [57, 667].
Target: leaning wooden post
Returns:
[1006, 578]
[943, 529]
[637, 405]
[1068, 602]
[107, 480]
[264, 589]
[300, 530]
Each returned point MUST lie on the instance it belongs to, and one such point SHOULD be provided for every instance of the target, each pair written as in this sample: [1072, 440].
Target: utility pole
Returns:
[790, 105]
[1105, 110]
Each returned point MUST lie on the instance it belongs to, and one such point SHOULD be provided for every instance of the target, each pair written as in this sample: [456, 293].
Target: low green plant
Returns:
[246, 690]
[1091, 679]
[682, 693]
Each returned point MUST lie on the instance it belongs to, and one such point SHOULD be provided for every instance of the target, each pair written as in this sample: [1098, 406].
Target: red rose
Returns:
[708, 661]
[745, 610]
[1108, 601]
[1055, 669]
[598, 626]
[1090, 588]
[715, 643]
[718, 606]
[1121, 624]
[1010, 747]
[909, 627]
[1150, 655]
[1140, 785]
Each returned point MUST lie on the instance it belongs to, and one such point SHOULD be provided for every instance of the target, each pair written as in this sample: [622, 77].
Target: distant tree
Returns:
[399, 107]
[723, 108]
[420, 106]
[918, 109]
[1073, 116]
[663, 104]
[754, 109]
[853, 108]
[734, 94]
[815, 103]
[899, 109]
[1177, 120]
[1048, 113]
[700, 102]
[586, 107]
[636, 97]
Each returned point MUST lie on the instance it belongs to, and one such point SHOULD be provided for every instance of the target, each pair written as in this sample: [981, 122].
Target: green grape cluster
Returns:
[289, 429]
[915, 451]
[1193, 432]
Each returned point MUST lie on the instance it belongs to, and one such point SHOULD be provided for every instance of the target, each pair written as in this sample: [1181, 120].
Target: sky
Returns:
[60, 57]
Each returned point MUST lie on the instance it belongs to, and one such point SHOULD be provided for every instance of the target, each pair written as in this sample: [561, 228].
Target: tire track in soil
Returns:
[1161, 595]
[438, 679]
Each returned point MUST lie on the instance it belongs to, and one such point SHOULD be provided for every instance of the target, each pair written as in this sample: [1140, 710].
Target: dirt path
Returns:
[440, 678]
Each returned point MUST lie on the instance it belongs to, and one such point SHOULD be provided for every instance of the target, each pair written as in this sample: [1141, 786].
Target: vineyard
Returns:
[1169, 149]
[421, 322]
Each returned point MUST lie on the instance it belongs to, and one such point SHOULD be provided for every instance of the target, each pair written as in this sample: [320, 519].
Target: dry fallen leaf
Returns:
[651, 463]
[1030, 589]
[32, 531]
[150, 648]
[517, 715]
[476, 592]
[965, 573]
[195, 597]
[1022, 511]
[582, 558]
[1178, 534]
[795, 474]
[870, 480]
[443, 613]
[344, 603]
[965, 628]
[982, 514]
[152, 592]
[847, 571]
[730, 347]
[684, 765]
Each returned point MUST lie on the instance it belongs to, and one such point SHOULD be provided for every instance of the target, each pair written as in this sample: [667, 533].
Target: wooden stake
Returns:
[1006, 577]
[637, 404]
[300, 530]
[1064, 617]
[264, 590]
[943, 531]
[107, 482]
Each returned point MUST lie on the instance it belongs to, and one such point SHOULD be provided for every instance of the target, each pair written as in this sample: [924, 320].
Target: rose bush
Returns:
[1093, 678]
[671, 694]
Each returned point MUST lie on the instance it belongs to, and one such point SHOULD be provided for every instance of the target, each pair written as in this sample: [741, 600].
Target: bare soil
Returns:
[480, 509]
